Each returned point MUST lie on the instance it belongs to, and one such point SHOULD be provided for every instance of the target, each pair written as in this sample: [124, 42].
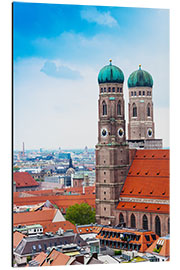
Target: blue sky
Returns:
[58, 52]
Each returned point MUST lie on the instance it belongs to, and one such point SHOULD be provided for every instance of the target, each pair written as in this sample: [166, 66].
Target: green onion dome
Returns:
[140, 78]
[110, 74]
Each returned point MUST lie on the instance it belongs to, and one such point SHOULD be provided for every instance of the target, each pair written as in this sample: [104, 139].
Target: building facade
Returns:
[128, 189]
[112, 156]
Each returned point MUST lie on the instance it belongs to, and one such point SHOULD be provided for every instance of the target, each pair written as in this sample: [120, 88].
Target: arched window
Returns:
[148, 110]
[157, 226]
[168, 226]
[134, 110]
[145, 222]
[119, 108]
[104, 108]
[133, 221]
[121, 219]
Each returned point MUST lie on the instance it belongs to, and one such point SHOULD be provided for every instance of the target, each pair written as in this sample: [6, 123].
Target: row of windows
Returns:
[144, 223]
[134, 110]
[39, 246]
[105, 108]
[140, 93]
[113, 89]
[130, 246]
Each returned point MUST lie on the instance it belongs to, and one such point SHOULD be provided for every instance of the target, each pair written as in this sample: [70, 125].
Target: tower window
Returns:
[104, 208]
[101, 90]
[139, 93]
[117, 89]
[143, 93]
[121, 90]
[104, 108]
[148, 110]
[104, 173]
[104, 89]
[104, 192]
[119, 108]
[150, 93]
[109, 89]
[113, 89]
[135, 93]
[147, 93]
[134, 110]
[132, 93]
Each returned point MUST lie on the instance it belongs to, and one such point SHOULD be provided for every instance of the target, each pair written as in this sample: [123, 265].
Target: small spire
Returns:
[139, 66]
[110, 62]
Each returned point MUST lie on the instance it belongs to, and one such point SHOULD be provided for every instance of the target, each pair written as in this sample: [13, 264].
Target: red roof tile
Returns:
[54, 226]
[40, 257]
[62, 201]
[88, 229]
[24, 179]
[55, 258]
[29, 218]
[142, 240]
[165, 252]
[148, 176]
[143, 207]
[17, 237]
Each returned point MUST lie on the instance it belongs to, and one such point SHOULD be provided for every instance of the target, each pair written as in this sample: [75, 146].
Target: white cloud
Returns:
[91, 14]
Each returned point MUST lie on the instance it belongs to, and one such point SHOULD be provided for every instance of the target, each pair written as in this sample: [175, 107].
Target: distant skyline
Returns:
[58, 53]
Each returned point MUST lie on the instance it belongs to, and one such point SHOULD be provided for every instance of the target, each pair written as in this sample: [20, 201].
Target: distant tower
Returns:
[141, 128]
[112, 155]
[70, 163]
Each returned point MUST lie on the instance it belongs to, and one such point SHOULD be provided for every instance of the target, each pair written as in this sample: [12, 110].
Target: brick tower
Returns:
[112, 153]
[141, 125]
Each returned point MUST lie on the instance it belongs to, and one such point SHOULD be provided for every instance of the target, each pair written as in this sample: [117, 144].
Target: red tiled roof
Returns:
[88, 229]
[142, 240]
[40, 257]
[54, 226]
[29, 218]
[24, 179]
[17, 237]
[148, 176]
[55, 258]
[62, 201]
[143, 207]
[165, 252]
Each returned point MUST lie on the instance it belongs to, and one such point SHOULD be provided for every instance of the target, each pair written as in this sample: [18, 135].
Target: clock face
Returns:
[149, 132]
[120, 132]
[104, 132]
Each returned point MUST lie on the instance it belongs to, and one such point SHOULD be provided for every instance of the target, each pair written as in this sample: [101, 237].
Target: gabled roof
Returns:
[162, 241]
[17, 237]
[24, 179]
[28, 218]
[55, 258]
[148, 176]
[39, 259]
[54, 226]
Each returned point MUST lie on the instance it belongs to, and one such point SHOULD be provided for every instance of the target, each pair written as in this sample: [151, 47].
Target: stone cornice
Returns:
[143, 200]
[106, 201]
[110, 184]
[111, 167]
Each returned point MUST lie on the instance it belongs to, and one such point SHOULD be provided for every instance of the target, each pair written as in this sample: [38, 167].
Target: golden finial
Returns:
[139, 66]
[110, 61]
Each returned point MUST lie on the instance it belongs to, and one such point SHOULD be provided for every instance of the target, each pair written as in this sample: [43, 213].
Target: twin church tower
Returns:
[112, 150]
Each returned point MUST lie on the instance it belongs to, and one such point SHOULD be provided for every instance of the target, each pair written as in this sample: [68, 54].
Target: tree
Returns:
[80, 214]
